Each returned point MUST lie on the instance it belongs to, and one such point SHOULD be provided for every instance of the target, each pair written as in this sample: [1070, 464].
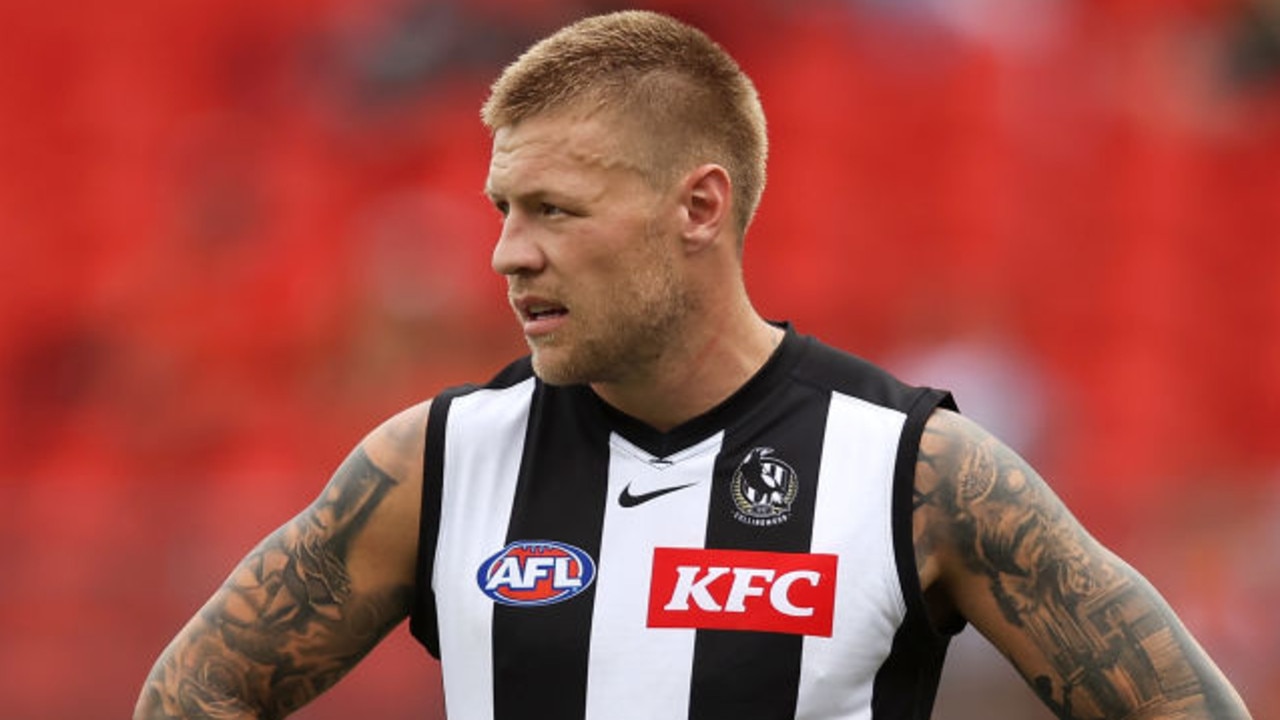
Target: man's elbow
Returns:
[155, 704]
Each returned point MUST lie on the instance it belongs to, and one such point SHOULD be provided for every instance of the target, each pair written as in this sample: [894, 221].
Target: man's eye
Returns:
[550, 210]
[502, 207]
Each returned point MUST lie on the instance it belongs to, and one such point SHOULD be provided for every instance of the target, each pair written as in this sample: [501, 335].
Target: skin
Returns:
[996, 547]
[659, 323]
[565, 242]
[310, 600]
[658, 319]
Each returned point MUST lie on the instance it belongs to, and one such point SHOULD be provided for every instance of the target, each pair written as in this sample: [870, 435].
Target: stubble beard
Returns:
[626, 336]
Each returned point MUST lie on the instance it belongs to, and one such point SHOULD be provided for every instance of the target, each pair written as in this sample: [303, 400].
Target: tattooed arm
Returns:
[996, 547]
[310, 600]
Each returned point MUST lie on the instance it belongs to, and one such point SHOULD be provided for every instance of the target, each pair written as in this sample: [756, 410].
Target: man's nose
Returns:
[517, 251]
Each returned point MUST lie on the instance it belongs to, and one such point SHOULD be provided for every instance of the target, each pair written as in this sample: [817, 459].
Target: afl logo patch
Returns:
[763, 488]
[536, 572]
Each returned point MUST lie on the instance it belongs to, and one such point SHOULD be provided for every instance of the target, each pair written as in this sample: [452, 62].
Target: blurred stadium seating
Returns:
[236, 234]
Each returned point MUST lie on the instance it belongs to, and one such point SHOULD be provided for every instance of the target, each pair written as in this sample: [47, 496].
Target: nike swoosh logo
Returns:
[627, 500]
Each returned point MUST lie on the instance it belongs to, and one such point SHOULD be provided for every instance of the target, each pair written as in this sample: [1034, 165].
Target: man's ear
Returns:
[707, 202]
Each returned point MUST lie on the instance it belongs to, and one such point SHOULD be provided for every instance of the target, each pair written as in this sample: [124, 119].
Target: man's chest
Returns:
[594, 578]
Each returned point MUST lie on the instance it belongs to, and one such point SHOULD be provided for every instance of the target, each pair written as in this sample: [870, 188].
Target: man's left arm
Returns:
[996, 547]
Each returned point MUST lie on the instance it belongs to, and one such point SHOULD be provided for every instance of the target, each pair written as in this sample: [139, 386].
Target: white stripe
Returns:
[636, 673]
[853, 519]
[484, 441]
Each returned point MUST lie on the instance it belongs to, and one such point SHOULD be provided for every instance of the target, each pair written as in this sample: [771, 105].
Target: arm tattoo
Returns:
[287, 624]
[1112, 646]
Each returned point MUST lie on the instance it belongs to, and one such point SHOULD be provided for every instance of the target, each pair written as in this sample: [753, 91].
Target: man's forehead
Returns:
[571, 133]
[561, 141]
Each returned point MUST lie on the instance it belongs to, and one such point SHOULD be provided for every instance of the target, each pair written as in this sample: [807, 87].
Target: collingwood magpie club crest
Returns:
[763, 488]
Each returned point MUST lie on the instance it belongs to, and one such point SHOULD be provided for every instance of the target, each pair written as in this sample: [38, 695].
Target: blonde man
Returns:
[671, 507]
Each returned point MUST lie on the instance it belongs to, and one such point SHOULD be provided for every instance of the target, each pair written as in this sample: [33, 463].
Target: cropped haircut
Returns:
[685, 98]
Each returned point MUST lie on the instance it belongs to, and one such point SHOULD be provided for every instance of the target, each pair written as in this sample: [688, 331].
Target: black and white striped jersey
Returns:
[755, 562]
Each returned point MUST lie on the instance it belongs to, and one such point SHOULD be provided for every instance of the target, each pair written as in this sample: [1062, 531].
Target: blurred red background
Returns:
[236, 235]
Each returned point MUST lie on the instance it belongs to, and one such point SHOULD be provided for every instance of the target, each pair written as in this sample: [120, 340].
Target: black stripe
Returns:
[905, 685]
[422, 616]
[540, 653]
[740, 674]
[423, 623]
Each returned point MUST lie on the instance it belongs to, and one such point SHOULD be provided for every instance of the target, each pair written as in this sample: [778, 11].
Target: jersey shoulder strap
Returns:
[422, 614]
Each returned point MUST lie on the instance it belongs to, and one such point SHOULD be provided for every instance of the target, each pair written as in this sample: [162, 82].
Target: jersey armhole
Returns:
[422, 615]
[917, 622]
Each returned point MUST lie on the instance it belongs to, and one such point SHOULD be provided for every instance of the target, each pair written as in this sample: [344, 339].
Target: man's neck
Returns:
[703, 372]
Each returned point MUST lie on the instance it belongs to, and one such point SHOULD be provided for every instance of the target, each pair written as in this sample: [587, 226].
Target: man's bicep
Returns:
[1090, 635]
[302, 608]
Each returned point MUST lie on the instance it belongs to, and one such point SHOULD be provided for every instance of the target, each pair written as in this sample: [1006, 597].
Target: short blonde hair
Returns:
[667, 78]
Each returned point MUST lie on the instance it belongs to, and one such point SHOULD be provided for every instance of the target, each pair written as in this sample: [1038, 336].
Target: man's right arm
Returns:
[311, 600]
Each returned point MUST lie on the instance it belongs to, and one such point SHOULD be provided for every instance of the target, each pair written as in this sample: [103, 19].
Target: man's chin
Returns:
[554, 371]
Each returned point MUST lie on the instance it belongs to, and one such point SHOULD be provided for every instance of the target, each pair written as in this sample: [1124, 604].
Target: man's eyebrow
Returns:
[533, 195]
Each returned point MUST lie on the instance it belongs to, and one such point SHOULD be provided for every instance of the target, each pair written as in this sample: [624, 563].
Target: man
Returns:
[673, 508]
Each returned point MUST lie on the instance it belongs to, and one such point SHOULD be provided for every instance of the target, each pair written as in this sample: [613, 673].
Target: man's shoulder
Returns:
[396, 445]
[842, 371]
[513, 373]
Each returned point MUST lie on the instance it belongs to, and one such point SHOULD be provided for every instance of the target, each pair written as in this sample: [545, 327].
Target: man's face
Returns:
[589, 250]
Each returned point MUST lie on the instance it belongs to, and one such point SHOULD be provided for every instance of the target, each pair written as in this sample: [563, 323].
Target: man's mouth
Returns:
[539, 316]
[542, 311]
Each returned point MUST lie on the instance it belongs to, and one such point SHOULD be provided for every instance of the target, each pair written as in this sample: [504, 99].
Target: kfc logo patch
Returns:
[790, 593]
[536, 572]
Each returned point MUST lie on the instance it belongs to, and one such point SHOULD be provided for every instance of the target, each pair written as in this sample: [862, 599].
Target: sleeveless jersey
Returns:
[755, 562]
